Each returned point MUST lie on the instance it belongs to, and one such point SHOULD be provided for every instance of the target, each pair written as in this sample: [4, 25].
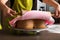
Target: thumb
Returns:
[13, 12]
[56, 14]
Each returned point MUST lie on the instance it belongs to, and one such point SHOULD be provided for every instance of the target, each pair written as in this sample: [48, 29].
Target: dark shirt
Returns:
[11, 2]
[41, 0]
[59, 1]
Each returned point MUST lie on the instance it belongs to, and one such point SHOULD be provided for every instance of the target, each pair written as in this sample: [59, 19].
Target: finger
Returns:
[59, 15]
[53, 15]
[13, 12]
[56, 14]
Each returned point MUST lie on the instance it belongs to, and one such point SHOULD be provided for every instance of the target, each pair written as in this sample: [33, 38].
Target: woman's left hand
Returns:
[57, 14]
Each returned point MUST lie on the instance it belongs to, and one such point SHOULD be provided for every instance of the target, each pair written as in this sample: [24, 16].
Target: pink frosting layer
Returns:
[34, 15]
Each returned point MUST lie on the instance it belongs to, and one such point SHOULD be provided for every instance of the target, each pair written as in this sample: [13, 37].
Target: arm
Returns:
[52, 3]
[6, 10]
[3, 4]
[55, 5]
[3, 1]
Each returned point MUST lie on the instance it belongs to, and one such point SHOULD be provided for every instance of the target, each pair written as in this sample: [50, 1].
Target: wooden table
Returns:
[45, 35]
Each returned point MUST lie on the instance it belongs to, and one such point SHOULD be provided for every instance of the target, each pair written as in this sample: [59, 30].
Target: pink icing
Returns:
[34, 15]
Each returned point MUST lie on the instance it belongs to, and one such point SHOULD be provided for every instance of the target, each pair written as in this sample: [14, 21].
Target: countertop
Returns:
[44, 35]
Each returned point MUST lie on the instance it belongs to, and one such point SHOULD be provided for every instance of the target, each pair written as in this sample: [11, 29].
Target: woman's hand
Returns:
[57, 14]
[8, 11]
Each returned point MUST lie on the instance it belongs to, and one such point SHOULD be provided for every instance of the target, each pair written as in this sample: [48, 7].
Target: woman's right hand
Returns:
[8, 11]
[57, 14]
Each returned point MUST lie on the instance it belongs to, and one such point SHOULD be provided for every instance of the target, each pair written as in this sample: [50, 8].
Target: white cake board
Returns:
[54, 28]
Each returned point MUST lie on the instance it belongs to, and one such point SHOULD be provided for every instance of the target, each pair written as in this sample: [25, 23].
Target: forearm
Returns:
[52, 3]
[3, 1]
[3, 4]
